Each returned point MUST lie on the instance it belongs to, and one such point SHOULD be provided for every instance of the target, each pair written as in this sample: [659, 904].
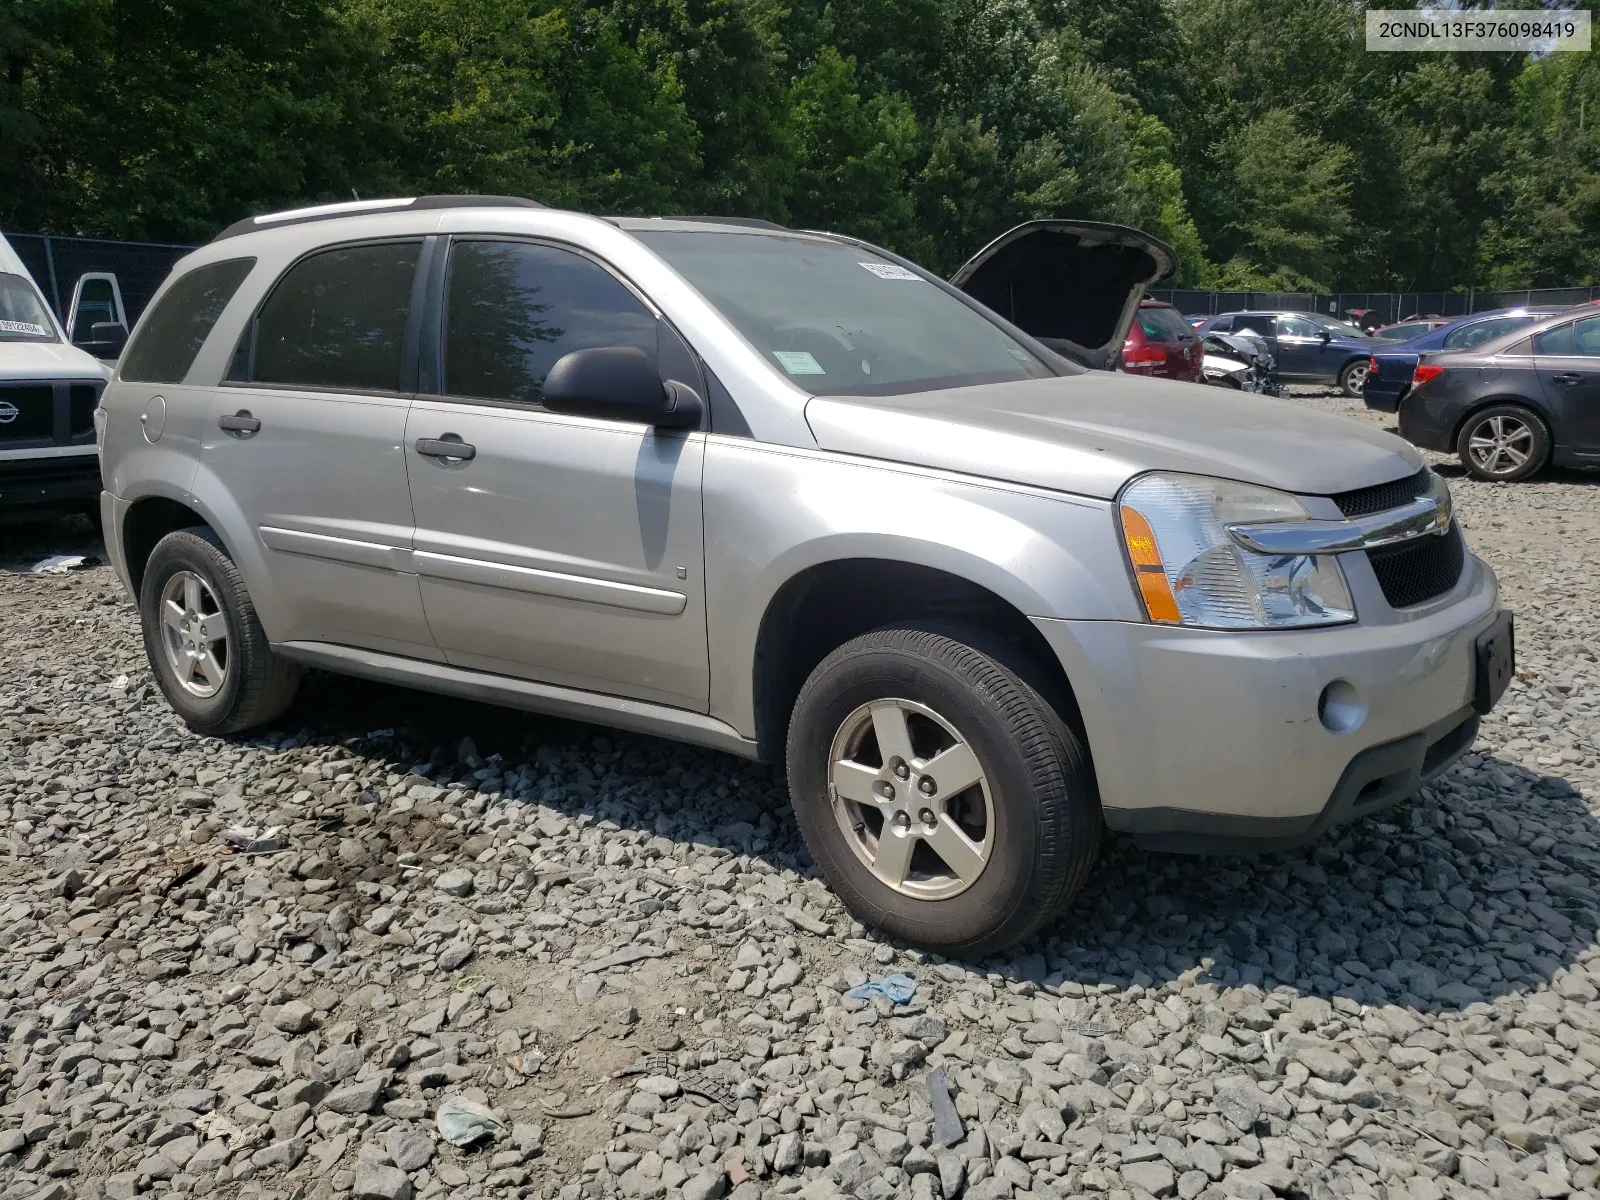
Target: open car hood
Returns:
[1074, 285]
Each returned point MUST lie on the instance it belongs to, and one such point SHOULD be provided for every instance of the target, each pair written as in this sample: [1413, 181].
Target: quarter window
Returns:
[512, 309]
[172, 332]
[335, 320]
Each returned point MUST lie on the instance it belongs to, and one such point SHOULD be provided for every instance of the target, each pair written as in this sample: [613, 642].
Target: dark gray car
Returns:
[1308, 347]
[1512, 405]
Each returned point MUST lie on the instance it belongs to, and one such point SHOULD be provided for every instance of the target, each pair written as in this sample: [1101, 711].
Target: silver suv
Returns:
[790, 496]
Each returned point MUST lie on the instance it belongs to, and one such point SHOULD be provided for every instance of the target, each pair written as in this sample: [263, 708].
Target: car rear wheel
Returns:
[939, 792]
[1353, 377]
[1504, 443]
[203, 638]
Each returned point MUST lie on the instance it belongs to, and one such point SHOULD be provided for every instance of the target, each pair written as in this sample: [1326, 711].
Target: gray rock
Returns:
[379, 1181]
[353, 1098]
[409, 1149]
[455, 882]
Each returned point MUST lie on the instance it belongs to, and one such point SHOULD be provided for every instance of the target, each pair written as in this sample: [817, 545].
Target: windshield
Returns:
[1342, 328]
[22, 313]
[840, 320]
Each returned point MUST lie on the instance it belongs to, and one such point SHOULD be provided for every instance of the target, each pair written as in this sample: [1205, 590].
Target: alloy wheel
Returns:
[1500, 445]
[1356, 379]
[911, 799]
[194, 634]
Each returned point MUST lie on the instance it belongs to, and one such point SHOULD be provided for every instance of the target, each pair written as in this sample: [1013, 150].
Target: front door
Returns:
[306, 436]
[1301, 348]
[558, 548]
[1568, 361]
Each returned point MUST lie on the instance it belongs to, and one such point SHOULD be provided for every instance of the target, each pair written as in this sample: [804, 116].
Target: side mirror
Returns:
[1325, 337]
[617, 383]
[106, 339]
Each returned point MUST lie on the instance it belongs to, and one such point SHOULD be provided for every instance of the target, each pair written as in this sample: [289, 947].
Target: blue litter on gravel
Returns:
[898, 988]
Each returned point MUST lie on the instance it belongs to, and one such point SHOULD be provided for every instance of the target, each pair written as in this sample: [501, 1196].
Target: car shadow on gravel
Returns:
[1481, 887]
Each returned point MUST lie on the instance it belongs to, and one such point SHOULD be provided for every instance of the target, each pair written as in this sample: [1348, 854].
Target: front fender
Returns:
[773, 512]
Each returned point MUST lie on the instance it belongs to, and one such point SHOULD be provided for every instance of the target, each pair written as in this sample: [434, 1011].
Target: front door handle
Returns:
[240, 422]
[1568, 378]
[448, 446]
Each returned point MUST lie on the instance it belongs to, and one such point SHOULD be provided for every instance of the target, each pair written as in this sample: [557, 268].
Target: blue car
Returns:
[1389, 376]
[1308, 347]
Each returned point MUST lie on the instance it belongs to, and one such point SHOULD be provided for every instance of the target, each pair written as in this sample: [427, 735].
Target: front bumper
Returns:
[50, 479]
[1215, 741]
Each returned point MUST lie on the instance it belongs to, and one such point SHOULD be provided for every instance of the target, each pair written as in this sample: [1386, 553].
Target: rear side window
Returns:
[512, 309]
[1221, 325]
[172, 332]
[1255, 323]
[335, 320]
[1580, 339]
[1476, 334]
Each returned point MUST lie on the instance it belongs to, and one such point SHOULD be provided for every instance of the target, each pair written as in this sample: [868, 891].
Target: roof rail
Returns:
[359, 208]
[751, 222]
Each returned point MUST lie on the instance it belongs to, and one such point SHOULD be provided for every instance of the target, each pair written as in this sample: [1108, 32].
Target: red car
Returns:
[1162, 344]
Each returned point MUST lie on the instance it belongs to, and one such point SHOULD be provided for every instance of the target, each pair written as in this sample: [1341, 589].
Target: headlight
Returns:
[1189, 571]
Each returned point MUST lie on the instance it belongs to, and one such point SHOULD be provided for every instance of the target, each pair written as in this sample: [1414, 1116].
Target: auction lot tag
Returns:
[1533, 30]
[798, 362]
[890, 271]
[23, 327]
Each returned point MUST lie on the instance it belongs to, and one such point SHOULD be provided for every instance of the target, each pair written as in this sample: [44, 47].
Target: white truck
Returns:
[49, 390]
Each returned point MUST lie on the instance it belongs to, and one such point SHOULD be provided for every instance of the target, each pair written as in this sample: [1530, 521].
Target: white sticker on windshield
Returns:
[22, 327]
[798, 362]
[890, 271]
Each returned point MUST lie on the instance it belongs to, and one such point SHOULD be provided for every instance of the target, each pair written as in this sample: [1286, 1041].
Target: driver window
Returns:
[1297, 327]
[512, 309]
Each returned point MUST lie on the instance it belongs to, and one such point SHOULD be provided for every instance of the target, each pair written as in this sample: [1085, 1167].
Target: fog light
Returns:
[1340, 708]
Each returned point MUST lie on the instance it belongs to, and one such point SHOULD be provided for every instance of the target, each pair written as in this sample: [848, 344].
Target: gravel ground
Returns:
[275, 965]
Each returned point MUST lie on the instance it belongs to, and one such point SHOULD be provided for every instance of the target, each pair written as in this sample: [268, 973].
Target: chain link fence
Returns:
[57, 263]
[1388, 306]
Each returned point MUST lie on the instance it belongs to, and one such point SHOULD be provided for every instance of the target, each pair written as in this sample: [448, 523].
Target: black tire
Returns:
[1353, 377]
[1046, 812]
[1537, 442]
[257, 685]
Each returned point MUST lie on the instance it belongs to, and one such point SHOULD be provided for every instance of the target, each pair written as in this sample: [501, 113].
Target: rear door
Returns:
[564, 549]
[307, 435]
[1568, 361]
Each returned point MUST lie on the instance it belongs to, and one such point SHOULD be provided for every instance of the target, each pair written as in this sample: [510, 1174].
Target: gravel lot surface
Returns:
[276, 965]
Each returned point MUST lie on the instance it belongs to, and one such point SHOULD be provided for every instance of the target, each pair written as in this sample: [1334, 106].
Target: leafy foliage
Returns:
[1256, 136]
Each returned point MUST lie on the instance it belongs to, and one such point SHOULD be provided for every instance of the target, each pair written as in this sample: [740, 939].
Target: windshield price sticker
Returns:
[890, 271]
[22, 327]
[798, 362]
[1537, 31]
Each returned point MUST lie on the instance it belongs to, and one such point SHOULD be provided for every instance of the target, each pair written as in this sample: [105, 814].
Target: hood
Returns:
[48, 360]
[1073, 285]
[1089, 434]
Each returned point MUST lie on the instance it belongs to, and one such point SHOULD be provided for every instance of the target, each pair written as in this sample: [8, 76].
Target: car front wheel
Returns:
[1504, 443]
[938, 791]
[204, 641]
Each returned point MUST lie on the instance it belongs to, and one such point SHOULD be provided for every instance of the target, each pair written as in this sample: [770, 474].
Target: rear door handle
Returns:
[448, 446]
[1568, 377]
[240, 422]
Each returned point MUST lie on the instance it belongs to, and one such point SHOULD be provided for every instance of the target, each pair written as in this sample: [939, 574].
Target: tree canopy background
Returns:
[1257, 136]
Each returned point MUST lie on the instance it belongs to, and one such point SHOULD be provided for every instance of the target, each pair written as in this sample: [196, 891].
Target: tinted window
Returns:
[1579, 339]
[513, 309]
[1164, 325]
[1402, 333]
[96, 303]
[1222, 324]
[1479, 332]
[173, 331]
[841, 320]
[1255, 323]
[337, 320]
